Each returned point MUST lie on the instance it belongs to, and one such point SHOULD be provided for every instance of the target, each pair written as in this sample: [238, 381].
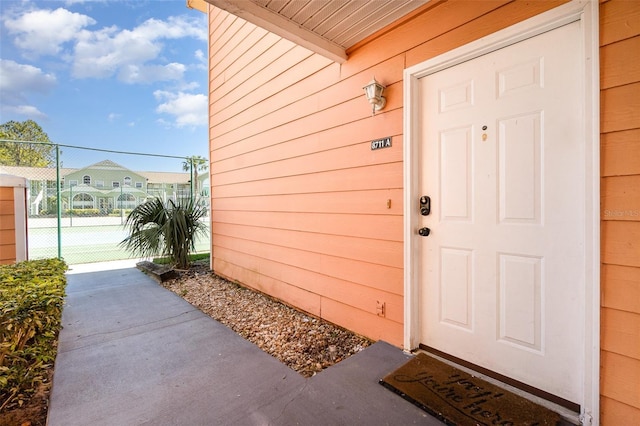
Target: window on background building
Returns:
[86, 179]
[115, 184]
[138, 185]
[127, 180]
[82, 201]
[73, 183]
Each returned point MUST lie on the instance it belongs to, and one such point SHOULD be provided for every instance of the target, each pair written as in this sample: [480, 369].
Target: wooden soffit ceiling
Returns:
[327, 27]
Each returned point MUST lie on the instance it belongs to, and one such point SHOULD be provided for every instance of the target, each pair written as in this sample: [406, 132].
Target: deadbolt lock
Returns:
[425, 205]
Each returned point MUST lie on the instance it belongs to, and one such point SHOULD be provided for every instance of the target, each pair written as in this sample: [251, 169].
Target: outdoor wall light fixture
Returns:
[374, 91]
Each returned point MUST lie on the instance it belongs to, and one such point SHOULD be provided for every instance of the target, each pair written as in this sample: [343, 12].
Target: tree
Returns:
[40, 154]
[199, 164]
[159, 229]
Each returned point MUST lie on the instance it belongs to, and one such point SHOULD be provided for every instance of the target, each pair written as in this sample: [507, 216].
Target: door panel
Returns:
[502, 270]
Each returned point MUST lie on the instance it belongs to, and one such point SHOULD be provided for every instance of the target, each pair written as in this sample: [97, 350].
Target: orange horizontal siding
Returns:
[224, 28]
[269, 96]
[620, 379]
[620, 108]
[621, 332]
[305, 98]
[7, 220]
[617, 65]
[346, 157]
[350, 205]
[7, 226]
[6, 194]
[621, 243]
[364, 297]
[7, 253]
[282, 56]
[620, 228]
[257, 150]
[7, 236]
[621, 288]
[364, 225]
[284, 126]
[620, 153]
[619, 20]
[359, 179]
[616, 413]
[248, 39]
[383, 278]
[367, 324]
[621, 198]
[290, 294]
[294, 246]
[6, 206]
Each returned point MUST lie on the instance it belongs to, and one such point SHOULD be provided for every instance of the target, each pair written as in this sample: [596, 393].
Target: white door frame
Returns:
[585, 11]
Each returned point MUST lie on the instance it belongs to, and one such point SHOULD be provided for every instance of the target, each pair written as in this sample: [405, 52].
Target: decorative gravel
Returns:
[304, 343]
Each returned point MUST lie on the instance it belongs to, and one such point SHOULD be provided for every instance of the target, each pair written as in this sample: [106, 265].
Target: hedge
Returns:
[82, 212]
[31, 299]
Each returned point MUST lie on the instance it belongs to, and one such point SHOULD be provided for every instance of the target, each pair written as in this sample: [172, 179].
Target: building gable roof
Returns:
[49, 173]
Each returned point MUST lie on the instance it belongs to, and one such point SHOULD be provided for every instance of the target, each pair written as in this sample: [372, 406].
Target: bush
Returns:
[192, 258]
[83, 212]
[31, 298]
[169, 230]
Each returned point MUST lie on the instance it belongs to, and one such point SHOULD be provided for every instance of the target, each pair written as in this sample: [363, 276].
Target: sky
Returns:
[123, 75]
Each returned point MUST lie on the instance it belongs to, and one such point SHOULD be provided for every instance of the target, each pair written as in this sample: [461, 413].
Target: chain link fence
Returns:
[78, 203]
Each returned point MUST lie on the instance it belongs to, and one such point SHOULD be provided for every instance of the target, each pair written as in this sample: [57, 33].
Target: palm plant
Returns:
[159, 229]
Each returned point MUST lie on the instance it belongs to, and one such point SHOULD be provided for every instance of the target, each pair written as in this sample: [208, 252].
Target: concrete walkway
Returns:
[134, 353]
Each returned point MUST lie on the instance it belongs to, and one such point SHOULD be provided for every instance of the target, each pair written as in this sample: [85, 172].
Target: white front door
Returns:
[502, 160]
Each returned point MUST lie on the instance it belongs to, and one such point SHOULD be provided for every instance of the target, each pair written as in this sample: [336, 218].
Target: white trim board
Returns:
[577, 10]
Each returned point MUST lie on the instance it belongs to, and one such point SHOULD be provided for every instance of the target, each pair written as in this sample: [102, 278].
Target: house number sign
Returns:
[381, 143]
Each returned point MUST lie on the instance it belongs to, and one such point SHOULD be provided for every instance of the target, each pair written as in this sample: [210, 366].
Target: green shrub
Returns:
[192, 258]
[164, 229]
[31, 298]
[82, 212]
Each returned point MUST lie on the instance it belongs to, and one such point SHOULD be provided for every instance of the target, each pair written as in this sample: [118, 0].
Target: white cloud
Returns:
[146, 73]
[128, 53]
[174, 27]
[18, 80]
[101, 54]
[29, 111]
[202, 60]
[43, 32]
[132, 55]
[113, 116]
[187, 109]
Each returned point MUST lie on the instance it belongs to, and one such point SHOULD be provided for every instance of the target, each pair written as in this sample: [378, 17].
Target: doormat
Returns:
[460, 399]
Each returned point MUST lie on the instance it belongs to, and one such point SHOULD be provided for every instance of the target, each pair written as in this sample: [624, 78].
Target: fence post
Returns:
[58, 201]
[70, 206]
[121, 205]
[191, 161]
